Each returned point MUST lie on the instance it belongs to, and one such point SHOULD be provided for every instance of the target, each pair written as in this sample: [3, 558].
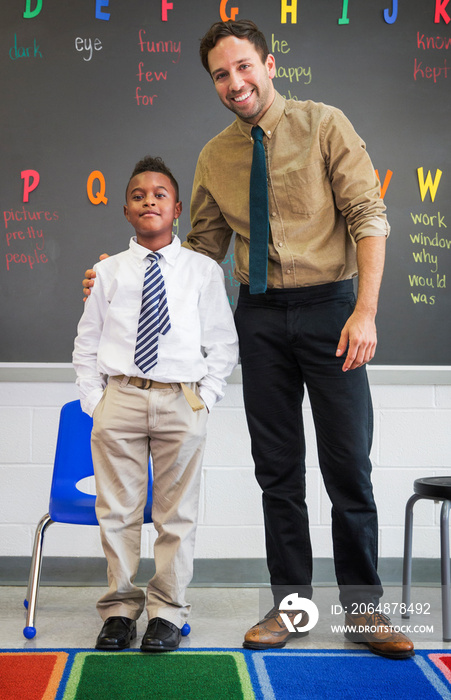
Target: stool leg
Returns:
[35, 575]
[444, 554]
[407, 561]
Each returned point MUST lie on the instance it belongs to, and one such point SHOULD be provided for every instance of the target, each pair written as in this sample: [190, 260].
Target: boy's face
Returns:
[151, 209]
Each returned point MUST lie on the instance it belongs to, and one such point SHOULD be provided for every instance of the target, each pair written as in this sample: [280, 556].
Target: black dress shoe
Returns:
[161, 635]
[116, 633]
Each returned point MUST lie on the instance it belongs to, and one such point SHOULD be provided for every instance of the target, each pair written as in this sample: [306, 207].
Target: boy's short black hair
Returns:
[153, 164]
[242, 29]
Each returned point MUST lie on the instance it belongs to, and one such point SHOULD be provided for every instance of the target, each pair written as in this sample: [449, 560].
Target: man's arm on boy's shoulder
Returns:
[90, 382]
[219, 337]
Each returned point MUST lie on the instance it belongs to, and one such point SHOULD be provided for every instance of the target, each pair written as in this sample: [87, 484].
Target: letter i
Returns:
[344, 15]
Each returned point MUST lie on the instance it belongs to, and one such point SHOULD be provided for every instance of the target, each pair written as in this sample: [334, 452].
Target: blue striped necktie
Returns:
[258, 217]
[154, 316]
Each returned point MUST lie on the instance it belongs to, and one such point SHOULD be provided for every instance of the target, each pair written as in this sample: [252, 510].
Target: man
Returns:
[303, 328]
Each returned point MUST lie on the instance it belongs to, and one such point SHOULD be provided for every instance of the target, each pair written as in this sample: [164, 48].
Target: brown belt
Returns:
[193, 400]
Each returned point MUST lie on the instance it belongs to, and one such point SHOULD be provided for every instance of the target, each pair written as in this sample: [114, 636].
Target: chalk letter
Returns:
[428, 184]
[289, 9]
[99, 13]
[391, 18]
[387, 179]
[100, 196]
[441, 12]
[29, 13]
[344, 15]
[28, 186]
[222, 11]
[165, 6]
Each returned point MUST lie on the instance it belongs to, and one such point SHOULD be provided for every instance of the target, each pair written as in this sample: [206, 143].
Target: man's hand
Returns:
[359, 332]
[359, 336]
[88, 282]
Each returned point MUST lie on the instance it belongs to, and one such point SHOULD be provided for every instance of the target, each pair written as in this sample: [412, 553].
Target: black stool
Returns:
[435, 488]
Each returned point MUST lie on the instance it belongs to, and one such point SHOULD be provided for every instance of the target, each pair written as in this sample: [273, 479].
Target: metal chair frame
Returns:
[436, 489]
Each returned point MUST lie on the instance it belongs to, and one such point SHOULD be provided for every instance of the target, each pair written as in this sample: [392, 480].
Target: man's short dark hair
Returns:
[242, 29]
[154, 164]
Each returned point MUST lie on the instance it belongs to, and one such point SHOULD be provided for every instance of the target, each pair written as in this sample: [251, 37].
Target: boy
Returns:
[149, 385]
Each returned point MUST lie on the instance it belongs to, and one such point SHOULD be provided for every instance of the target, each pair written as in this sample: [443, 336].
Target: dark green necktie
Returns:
[258, 215]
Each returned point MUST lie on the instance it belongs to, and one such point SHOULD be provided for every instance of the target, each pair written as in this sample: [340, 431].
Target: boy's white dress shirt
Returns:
[201, 346]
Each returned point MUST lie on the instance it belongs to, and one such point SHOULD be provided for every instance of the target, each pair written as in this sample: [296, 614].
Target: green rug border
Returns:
[71, 686]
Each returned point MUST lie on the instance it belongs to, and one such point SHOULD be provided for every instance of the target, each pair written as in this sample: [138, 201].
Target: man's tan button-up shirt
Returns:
[323, 195]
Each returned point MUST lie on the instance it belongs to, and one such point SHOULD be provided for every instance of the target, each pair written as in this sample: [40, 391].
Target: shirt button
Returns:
[269, 133]
[288, 272]
[280, 244]
[273, 213]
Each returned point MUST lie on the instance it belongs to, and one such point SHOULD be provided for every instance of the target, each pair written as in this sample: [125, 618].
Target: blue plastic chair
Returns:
[73, 462]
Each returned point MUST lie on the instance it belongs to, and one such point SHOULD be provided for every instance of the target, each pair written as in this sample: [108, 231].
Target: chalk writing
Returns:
[426, 255]
[430, 72]
[16, 51]
[88, 46]
[299, 74]
[33, 254]
[173, 47]
[424, 71]
[433, 42]
[150, 46]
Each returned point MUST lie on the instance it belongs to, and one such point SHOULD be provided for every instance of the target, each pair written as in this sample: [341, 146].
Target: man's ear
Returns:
[126, 212]
[271, 65]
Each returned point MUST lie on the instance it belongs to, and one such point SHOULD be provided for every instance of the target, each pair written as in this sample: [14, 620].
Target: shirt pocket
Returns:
[183, 309]
[308, 189]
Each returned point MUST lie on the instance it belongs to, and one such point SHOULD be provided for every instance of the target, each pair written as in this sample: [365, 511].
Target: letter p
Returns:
[31, 181]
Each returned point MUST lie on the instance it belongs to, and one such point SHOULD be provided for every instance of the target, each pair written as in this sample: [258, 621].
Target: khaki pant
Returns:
[129, 424]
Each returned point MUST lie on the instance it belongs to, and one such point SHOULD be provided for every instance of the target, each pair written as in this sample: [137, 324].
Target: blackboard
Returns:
[90, 86]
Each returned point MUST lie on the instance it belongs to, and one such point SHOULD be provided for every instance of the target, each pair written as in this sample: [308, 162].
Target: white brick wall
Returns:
[412, 439]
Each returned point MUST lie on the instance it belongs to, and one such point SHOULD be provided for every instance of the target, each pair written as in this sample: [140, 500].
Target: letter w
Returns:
[163, 76]
[428, 185]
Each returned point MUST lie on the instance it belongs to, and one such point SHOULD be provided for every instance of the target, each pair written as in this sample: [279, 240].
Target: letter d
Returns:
[29, 13]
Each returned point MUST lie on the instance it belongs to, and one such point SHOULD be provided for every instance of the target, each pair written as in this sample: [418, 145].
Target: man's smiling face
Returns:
[242, 80]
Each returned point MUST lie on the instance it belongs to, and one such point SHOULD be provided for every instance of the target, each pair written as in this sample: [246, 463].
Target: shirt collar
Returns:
[269, 120]
[169, 252]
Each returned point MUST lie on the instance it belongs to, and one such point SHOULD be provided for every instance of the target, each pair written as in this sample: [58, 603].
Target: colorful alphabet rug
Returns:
[221, 674]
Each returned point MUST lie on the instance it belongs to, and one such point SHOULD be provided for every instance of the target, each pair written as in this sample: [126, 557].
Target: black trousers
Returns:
[288, 339]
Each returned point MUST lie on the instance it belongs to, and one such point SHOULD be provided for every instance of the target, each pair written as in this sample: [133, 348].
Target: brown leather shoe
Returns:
[271, 632]
[376, 631]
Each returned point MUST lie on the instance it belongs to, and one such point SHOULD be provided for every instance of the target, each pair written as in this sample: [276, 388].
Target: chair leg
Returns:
[407, 561]
[445, 567]
[35, 575]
